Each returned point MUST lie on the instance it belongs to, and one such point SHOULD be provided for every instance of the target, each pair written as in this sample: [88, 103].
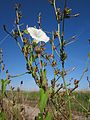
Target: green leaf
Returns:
[25, 31]
[4, 84]
[43, 99]
[44, 82]
[48, 117]
[2, 116]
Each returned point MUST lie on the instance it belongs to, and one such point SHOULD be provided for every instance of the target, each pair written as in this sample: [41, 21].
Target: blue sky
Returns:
[77, 52]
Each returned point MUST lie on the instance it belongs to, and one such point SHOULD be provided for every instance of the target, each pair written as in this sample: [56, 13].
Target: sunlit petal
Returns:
[38, 34]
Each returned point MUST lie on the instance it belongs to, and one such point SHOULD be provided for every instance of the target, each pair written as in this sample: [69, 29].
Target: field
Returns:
[82, 97]
[28, 101]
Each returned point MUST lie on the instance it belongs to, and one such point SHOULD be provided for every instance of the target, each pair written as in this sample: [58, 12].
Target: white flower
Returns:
[37, 34]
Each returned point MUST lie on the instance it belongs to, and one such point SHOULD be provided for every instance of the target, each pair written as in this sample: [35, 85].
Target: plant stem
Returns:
[68, 97]
[80, 104]
[85, 70]
[63, 70]
[54, 5]
[59, 33]
[39, 58]
[20, 33]
[54, 104]
[19, 75]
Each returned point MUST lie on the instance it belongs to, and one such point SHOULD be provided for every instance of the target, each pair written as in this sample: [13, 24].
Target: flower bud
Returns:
[53, 63]
[25, 40]
[55, 34]
[76, 82]
[54, 47]
[56, 71]
[58, 14]
[38, 50]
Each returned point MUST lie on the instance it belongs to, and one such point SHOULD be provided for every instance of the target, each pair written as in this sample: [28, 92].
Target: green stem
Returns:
[19, 75]
[20, 33]
[81, 105]
[52, 43]
[67, 92]
[59, 33]
[62, 49]
[85, 70]
[39, 59]
[54, 104]
[54, 5]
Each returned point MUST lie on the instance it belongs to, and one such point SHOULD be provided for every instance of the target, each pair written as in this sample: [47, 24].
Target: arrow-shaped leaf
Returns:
[43, 99]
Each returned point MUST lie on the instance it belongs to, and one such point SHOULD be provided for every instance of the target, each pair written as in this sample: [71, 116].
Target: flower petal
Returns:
[43, 36]
[38, 34]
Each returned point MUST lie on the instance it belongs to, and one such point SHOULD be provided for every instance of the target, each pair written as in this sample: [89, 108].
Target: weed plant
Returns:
[56, 101]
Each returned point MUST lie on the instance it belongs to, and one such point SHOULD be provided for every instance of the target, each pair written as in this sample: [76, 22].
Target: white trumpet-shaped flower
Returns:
[37, 34]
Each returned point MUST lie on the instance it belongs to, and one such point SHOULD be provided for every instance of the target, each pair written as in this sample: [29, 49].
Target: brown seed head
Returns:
[53, 63]
[76, 82]
[56, 71]
[54, 47]
[38, 50]
[55, 34]
[25, 40]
